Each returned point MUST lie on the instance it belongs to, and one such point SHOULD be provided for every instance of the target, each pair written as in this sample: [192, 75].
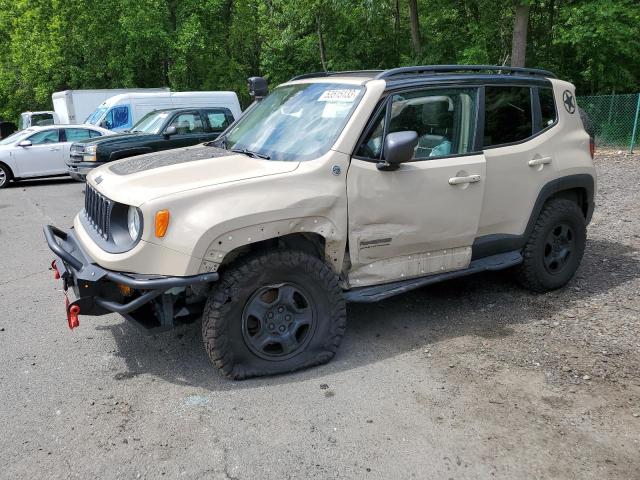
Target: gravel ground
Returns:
[470, 379]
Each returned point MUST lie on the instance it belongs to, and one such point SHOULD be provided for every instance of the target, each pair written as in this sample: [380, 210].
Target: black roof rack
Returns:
[364, 73]
[435, 69]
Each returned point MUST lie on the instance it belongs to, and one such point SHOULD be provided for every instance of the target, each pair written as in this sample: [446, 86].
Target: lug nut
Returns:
[270, 315]
[271, 326]
[287, 318]
[280, 309]
[281, 328]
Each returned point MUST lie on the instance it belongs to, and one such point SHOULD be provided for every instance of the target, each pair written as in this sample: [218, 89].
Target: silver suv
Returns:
[335, 187]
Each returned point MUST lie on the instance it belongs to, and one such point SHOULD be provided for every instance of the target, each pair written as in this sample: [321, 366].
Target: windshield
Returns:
[295, 122]
[95, 116]
[151, 123]
[16, 137]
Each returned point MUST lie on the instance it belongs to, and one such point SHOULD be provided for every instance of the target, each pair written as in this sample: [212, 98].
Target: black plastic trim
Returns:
[493, 244]
[438, 69]
[376, 293]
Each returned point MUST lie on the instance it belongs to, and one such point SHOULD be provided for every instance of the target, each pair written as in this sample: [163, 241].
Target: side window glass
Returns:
[186, 123]
[75, 134]
[46, 136]
[371, 147]
[94, 133]
[117, 117]
[548, 112]
[219, 119]
[507, 115]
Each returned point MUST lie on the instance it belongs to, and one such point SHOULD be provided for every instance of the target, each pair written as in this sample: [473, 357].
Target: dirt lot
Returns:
[470, 379]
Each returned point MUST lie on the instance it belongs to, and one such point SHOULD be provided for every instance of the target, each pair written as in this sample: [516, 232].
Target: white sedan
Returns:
[41, 151]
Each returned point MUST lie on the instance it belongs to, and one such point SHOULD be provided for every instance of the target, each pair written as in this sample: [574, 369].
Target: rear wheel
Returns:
[273, 313]
[555, 248]
[5, 175]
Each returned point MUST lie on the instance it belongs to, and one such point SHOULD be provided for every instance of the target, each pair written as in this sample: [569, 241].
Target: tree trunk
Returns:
[415, 27]
[519, 42]
[323, 56]
[396, 32]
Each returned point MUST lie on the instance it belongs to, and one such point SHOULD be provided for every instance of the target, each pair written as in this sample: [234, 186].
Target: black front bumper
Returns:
[99, 291]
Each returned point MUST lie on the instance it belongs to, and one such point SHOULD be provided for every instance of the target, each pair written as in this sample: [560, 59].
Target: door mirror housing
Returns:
[25, 143]
[258, 87]
[171, 130]
[398, 148]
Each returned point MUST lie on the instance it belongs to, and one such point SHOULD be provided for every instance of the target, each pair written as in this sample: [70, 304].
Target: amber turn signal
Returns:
[162, 222]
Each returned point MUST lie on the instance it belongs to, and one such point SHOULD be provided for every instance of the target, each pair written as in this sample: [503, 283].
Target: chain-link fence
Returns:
[614, 119]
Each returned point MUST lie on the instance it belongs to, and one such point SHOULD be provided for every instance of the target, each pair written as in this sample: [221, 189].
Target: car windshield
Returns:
[295, 122]
[151, 123]
[16, 137]
[95, 116]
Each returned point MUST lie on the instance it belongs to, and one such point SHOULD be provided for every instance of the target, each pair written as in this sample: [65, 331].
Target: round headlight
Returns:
[133, 222]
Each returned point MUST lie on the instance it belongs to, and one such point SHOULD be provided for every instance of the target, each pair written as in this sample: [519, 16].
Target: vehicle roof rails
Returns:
[438, 69]
[364, 73]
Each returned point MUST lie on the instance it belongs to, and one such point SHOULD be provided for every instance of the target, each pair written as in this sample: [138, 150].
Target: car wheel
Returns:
[555, 248]
[5, 176]
[274, 313]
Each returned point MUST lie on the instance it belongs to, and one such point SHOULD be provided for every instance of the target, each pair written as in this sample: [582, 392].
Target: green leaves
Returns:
[51, 45]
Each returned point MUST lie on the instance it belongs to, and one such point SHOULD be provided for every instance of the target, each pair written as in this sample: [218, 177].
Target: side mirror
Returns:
[258, 87]
[398, 148]
[171, 130]
[25, 143]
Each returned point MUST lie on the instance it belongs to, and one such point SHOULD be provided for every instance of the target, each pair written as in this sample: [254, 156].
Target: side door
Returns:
[189, 130]
[43, 157]
[218, 120]
[518, 122]
[422, 218]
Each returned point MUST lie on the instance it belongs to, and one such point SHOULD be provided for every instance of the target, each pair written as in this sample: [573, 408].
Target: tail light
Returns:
[592, 147]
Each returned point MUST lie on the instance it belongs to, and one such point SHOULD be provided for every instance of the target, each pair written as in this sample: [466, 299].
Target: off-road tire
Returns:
[5, 175]
[224, 329]
[533, 274]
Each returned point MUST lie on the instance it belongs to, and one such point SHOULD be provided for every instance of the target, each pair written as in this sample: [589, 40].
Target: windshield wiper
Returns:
[250, 153]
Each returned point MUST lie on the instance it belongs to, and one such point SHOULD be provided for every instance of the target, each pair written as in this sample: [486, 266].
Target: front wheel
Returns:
[273, 313]
[5, 176]
[555, 248]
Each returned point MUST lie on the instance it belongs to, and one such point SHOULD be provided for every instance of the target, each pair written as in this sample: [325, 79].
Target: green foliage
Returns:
[52, 45]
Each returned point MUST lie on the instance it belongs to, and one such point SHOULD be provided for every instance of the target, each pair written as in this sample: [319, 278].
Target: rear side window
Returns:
[508, 117]
[219, 119]
[75, 134]
[187, 123]
[94, 133]
[548, 115]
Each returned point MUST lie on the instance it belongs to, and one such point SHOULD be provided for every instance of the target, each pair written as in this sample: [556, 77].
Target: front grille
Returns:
[76, 153]
[97, 209]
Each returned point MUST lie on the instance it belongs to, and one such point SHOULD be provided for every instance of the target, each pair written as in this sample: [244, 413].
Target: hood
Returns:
[112, 139]
[136, 180]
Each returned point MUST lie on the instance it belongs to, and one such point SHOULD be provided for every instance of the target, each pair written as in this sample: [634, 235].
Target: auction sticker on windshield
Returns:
[341, 95]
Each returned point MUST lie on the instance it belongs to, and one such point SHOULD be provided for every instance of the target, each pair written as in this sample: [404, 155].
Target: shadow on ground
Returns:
[392, 327]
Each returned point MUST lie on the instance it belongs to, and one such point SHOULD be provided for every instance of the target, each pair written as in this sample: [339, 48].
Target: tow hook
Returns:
[56, 273]
[72, 314]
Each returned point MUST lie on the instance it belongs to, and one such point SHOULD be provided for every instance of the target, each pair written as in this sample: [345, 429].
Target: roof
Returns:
[435, 73]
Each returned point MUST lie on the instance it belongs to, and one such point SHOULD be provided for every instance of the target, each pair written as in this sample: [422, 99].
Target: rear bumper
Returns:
[99, 291]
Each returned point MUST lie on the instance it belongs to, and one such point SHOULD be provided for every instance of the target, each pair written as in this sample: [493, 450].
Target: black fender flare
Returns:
[501, 243]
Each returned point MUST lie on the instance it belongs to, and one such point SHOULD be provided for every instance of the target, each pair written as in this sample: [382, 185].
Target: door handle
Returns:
[54, 149]
[540, 161]
[461, 180]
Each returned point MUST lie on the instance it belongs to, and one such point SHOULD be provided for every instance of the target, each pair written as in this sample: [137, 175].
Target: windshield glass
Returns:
[295, 122]
[95, 116]
[151, 123]
[16, 137]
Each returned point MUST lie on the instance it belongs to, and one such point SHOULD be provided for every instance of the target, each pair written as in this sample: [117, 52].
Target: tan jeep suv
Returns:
[336, 187]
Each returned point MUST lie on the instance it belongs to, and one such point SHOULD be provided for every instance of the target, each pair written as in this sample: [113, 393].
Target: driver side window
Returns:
[444, 120]
[46, 136]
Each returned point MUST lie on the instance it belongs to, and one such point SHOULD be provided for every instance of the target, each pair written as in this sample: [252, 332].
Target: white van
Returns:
[74, 106]
[121, 112]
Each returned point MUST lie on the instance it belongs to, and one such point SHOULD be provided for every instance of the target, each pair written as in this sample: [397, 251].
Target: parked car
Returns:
[121, 112]
[74, 106]
[336, 187]
[160, 130]
[41, 151]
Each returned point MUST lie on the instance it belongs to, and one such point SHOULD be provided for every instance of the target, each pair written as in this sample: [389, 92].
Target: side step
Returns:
[376, 293]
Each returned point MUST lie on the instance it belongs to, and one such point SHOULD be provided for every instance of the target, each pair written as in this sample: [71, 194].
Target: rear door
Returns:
[423, 217]
[44, 157]
[218, 119]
